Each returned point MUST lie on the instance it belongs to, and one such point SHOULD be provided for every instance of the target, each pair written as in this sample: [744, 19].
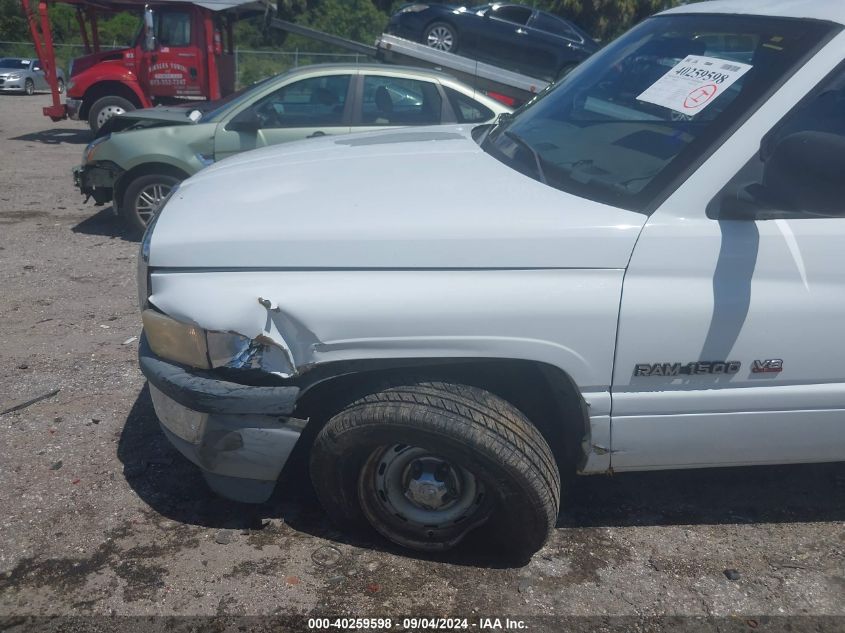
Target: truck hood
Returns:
[409, 198]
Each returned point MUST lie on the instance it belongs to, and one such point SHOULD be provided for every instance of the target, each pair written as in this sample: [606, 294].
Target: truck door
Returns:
[175, 66]
[732, 327]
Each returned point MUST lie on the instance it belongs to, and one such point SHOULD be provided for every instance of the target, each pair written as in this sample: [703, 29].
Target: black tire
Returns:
[29, 87]
[106, 107]
[441, 36]
[468, 429]
[128, 208]
[60, 85]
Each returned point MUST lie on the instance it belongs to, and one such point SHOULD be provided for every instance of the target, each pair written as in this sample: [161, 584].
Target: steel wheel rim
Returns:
[440, 38]
[108, 112]
[149, 199]
[29, 87]
[418, 498]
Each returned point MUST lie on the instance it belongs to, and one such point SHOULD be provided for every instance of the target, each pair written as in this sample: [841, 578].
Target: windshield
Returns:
[13, 62]
[213, 109]
[633, 117]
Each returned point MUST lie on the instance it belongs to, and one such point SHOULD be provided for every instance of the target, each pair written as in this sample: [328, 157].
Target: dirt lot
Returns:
[101, 516]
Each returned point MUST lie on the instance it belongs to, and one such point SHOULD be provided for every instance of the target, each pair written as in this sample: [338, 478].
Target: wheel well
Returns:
[104, 89]
[545, 394]
[143, 170]
[440, 21]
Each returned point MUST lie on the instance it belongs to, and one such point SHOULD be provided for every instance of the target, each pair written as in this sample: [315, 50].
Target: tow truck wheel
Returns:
[60, 85]
[426, 463]
[105, 108]
[441, 36]
[29, 87]
[142, 198]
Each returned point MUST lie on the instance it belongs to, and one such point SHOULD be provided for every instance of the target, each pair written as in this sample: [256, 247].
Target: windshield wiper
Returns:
[516, 138]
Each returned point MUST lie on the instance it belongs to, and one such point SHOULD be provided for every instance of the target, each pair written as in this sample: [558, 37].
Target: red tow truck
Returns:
[183, 50]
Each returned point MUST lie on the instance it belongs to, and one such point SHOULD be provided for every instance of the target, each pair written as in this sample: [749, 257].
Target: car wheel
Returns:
[426, 463]
[441, 36]
[60, 85]
[29, 87]
[142, 198]
[105, 108]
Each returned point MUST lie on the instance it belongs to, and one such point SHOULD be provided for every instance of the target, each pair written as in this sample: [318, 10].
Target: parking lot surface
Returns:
[102, 516]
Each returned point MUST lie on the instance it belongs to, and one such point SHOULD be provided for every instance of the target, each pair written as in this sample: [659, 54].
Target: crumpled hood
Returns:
[405, 198]
[170, 114]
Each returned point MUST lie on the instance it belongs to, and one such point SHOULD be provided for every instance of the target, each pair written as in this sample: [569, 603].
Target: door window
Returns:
[555, 26]
[517, 15]
[800, 168]
[312, 102]
[400, 101]
[173, 28]
[468, 110]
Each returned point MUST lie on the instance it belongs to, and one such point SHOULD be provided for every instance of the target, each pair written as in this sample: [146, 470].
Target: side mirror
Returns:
[246, 121]
[149, 29]
[803, 173]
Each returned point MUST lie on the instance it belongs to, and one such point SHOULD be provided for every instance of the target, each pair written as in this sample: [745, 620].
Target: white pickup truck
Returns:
[644, 268]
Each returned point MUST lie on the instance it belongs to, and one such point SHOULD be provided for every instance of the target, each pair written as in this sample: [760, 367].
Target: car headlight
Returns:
[413, 8]
[92, 147]
[13, 76]
[183, 343]
[189, 344]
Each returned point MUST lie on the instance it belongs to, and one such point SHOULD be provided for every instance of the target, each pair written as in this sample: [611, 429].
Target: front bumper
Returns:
[97, 180]
[12, 85]
[239, 435]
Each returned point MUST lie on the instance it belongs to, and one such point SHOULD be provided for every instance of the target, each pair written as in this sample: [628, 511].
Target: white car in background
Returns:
[21, 74]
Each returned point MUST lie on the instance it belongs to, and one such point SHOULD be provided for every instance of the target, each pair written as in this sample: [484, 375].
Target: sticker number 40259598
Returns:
[694, 83]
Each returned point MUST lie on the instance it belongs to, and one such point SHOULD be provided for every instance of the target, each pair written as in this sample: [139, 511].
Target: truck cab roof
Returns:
[830, 10]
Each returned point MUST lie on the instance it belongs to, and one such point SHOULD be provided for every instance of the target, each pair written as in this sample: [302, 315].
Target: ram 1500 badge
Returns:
[445, 320]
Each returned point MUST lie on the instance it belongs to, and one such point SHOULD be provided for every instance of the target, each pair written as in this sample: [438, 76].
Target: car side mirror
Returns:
[803, 173]
[246, 121]
[149, 30]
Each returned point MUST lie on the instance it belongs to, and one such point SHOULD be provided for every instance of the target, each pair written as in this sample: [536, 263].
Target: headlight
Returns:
[170, 339]
[414, 8]
[92, 147]
[189, 344]
[13, 76]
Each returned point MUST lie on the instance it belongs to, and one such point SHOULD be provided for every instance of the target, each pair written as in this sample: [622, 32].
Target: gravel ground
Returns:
[101, 516]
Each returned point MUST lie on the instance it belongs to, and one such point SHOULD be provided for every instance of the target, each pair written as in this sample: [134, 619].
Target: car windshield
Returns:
[632, 119]
[13, 62]
[212, 110]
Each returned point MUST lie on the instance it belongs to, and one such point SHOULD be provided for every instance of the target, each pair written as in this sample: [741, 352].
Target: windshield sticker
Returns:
[694, 84]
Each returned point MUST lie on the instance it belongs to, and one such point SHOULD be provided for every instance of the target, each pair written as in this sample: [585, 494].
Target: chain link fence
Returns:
[250, 65]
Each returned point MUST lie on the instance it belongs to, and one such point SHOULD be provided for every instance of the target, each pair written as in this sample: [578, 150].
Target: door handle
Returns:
[521, 32]
[316, 134]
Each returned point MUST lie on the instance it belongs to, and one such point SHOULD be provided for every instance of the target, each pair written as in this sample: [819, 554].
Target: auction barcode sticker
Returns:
[694, 83]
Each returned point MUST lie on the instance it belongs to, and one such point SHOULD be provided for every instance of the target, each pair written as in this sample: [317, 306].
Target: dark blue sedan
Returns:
[517, 37]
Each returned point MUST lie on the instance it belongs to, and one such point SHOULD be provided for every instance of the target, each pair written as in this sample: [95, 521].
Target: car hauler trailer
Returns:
[185, 50]
[510, 87]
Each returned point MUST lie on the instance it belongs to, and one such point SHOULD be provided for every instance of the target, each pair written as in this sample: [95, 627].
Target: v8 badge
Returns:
[768, 366]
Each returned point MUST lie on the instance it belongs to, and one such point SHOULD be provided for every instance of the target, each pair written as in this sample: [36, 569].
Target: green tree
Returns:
[605, 19]
[357, 20]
